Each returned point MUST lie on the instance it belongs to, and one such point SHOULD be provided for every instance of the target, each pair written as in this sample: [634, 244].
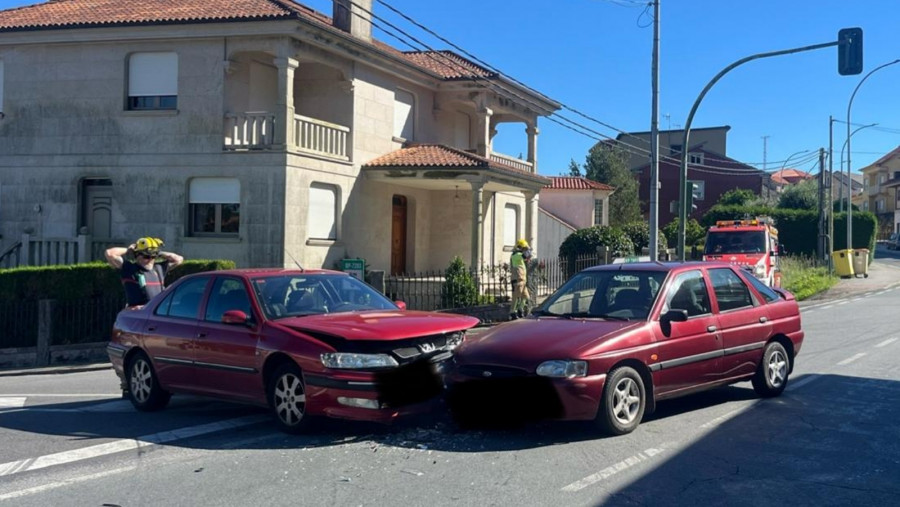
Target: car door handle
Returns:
[201, 335]
[151, 328]
[711, 329]
[763, 320]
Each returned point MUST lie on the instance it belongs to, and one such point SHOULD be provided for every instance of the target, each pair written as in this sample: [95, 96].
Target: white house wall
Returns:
[551, 234]
[574, 206]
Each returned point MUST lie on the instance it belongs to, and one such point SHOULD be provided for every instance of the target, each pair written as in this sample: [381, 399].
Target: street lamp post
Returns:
[781, 171]
[849, 186]
[849, 167]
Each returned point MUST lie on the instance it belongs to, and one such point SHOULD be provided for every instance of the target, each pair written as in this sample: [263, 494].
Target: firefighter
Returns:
[143, 277]
[517, 266]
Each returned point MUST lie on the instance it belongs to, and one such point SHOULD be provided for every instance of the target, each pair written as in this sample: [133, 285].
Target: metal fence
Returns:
[69, 322]
[442, 290]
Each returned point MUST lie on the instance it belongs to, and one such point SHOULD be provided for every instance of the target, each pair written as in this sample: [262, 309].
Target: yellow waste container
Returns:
[843, 263]
[861, 262]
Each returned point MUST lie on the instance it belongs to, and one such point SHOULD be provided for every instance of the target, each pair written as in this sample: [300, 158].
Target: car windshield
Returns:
[613, 295]
[293, 295]
[734, 242]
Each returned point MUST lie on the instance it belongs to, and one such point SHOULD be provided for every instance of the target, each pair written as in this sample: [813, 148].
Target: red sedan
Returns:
[303, 342]
[616, 339]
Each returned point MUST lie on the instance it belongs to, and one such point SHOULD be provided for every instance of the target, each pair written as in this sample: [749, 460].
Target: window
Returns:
[185, 300]
[461, 131]
[767, 293]
[1, 86]
[215, 208]
[510, 224]
[227, 294]
[866, 206]
[688, 292]
[675, 149]
[598, 211]
[323, 212]
[695, 158]
[699, 189]
[152, 81]
[404, 114]
[731, 293]
[882, 178]
[879, 205]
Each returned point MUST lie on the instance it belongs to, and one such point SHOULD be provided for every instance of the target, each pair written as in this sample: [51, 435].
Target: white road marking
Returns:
[614, 469]
[95, 451]
[802, 382]
[827, 307]
[851, 359]
[59, 484]
[843, 303]
[722, 418]
[67, 395]
[886, 342]
[12, 401]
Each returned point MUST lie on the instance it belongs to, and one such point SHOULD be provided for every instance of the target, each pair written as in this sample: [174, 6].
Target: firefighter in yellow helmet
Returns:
[519, 276]
[145, 275]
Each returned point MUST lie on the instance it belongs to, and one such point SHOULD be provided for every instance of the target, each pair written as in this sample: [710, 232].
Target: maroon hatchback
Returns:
[616, 339]
[303, 342]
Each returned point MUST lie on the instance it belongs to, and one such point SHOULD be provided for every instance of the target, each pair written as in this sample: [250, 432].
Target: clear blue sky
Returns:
[594, 55]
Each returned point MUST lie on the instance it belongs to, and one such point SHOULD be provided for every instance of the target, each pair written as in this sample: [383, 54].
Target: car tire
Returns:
[287, 399]
[144, 390]
[624, 401]
[772, 373]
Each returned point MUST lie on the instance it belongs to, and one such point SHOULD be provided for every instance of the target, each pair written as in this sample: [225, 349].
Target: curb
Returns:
[56, 370]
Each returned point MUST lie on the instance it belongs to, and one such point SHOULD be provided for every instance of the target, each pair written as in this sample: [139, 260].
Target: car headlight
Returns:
[342, 360]
[759, 270]
[562, 369]
[454, 340]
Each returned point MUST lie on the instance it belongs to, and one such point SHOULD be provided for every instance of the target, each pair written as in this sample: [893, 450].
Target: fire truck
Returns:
[752, 244]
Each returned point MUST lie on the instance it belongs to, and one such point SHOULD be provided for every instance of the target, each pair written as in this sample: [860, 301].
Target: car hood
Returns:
[529, 341]
[380, 325]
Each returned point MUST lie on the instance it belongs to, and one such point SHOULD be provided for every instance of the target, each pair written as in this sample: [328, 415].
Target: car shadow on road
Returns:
[830, 441]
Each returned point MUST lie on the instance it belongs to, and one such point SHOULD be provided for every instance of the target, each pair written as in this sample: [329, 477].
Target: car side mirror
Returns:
[235, 317]
[674, 316]
[400, 304]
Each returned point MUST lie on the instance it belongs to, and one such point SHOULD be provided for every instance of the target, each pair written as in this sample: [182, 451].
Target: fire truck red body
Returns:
[750, 243]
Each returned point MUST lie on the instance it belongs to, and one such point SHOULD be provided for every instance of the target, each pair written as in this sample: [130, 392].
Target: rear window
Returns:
[733, 242]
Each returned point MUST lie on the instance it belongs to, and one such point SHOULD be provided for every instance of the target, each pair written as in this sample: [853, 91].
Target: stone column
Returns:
[484, 132]
[531, 207]
[532, 132]
[477, 223]
[284, 104]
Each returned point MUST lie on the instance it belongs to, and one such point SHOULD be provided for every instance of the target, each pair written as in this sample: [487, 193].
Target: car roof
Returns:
[264, 272]
[657, 266]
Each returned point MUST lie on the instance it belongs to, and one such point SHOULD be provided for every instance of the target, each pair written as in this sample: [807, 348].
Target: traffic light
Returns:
[850, 51]
[695, 193]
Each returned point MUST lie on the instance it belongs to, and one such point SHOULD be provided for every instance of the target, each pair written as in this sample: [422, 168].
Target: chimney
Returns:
[352, 16]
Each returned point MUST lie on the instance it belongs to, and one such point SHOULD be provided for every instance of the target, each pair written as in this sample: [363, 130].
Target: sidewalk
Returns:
[882, 275]
[53, 370]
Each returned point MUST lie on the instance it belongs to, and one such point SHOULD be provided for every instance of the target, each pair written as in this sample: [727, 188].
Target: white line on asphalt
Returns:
[827, 307]
[802, 382]
[614, 469]
[886, 342]
[94, 451]
[851, 359]
[12, 402]
[67, 482]
[69, 395]
[722, 418]
[843, 303]
[855, 300]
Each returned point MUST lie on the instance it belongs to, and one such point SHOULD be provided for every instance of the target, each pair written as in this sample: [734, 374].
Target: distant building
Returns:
[881, 180]
[567, 204]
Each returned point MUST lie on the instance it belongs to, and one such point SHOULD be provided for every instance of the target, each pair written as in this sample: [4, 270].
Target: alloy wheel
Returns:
[776, 369]
[289, 399]
[626, 401]
[141, 380]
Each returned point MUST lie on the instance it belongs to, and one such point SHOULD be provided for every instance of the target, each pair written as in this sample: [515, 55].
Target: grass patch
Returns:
[805, 276]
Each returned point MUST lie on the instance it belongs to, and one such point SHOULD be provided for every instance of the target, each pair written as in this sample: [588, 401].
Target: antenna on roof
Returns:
[293, 259]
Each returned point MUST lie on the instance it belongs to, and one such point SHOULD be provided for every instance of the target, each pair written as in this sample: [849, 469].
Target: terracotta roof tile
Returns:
[447, 64]
[790, 176]
[438, 155]
[576, 183]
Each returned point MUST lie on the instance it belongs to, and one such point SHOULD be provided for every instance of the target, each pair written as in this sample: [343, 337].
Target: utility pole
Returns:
[764, 138]
[830, 205]
[820, 246]
[654, 140]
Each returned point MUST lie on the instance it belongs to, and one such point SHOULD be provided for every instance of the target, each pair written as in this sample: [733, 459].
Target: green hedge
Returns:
[798, 230]
[79, 281]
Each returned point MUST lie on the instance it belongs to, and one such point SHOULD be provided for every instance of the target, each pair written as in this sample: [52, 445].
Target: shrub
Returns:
[694, 233]
[639, 234]
[459, 286]
[586, 241]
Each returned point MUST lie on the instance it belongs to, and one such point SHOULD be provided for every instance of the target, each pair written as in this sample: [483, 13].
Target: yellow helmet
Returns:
[148, 245]
[522, 243]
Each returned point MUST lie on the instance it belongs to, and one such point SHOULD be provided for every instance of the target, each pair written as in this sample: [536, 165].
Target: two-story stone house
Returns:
[881, 180]
[255, 130]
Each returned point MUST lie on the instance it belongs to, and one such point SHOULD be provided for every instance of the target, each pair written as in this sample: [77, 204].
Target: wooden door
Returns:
[398, 235]
[97, 212]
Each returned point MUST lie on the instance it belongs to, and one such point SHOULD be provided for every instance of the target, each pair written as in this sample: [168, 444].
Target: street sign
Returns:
[355, 268]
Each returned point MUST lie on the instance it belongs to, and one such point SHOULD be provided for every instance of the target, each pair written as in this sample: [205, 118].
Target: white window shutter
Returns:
[404, 112]
[510, 225]
[152, 74]
[215, 191]
[321, 220]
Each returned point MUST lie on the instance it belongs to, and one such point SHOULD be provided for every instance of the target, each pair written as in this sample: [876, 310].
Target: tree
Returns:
[803, 195]
[694, 233]
[737, 197]
[608, 164]
[639, 234]
[574, 170]
[585, 242]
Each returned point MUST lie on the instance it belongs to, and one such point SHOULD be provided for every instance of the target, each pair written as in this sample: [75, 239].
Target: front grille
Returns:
[491, 371]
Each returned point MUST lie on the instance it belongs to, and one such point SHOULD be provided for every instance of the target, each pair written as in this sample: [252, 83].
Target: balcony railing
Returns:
[249, 131]
[320, 137]
[522, 165]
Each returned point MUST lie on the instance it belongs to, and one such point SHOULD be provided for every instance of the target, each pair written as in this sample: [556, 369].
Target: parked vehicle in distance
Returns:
[893, 242]
[751, 243]
[305, 343]
[614, 340]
